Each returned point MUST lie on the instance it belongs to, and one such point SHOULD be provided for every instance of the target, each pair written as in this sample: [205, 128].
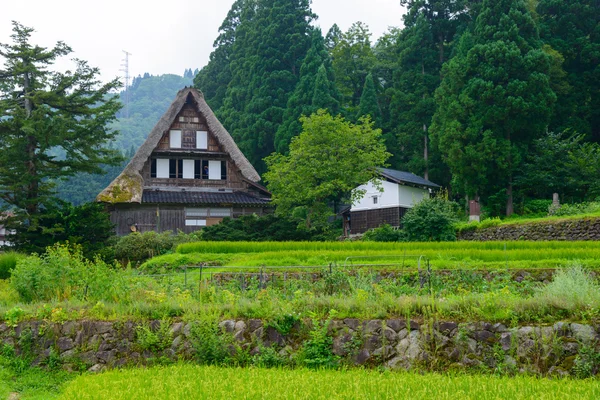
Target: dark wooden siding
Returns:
[172, 217]
[362, 221]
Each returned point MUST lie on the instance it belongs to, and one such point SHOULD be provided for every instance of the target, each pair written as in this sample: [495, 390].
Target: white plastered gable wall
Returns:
[393, 195]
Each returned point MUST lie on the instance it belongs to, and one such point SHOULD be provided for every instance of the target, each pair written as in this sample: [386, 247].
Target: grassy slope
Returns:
[188, 381]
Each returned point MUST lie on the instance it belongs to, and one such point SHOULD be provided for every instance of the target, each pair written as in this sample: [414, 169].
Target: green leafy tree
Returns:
[369, 105]
[52, 124]
[494, 100]
[301, 100]
[329, 159]
[557, 163]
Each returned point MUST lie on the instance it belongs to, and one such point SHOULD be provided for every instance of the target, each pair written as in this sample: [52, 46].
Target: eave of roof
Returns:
[403, 177]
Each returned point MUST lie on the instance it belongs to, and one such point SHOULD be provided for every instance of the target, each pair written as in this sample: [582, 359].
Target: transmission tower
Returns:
[125, 69]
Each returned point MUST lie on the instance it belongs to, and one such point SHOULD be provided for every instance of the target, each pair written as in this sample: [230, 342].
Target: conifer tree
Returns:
[300, 101]
[265, 66]
[52, 124]
[494, 100]
[368, 102]
[325, 95]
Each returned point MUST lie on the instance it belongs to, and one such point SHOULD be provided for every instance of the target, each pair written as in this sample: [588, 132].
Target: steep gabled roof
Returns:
[403, 177]
[128, 186]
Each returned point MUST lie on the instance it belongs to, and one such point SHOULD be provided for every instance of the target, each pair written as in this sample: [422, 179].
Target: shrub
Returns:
[210, 343]
[266, 228]
[575, 209]
[383, 233]
[87, 225]
[8, 261]
[536, 208]
[62, 273]
[431, 220]
[571, 288]
[317, 352]
[138, 247]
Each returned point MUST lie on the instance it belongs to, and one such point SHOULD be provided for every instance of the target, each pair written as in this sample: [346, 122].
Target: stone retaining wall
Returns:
[571, 230]
[558, 349]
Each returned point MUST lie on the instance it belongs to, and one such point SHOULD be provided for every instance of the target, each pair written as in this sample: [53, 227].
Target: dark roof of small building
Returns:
[197, 197]
[406, 177]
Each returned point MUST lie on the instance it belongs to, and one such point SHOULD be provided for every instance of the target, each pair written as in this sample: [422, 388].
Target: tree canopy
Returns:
[329, 159]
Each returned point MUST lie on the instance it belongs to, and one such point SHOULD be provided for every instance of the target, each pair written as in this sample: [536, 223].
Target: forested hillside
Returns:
[150, 96]
[495, 100]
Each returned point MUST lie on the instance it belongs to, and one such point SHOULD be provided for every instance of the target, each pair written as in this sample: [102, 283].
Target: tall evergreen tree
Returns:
[325, 95]
[52, 124]
[265, 65]
[214, 78]
[494, 100]
[353, 59]
[572, 28]
[425, 44]
[300, 101]
[369, 104]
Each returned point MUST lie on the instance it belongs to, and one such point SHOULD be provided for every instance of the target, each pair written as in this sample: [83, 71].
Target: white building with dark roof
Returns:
[401, 191]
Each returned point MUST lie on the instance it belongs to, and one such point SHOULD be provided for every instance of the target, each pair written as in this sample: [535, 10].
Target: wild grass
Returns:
[208, 382]
[8, 261]
[571, 288]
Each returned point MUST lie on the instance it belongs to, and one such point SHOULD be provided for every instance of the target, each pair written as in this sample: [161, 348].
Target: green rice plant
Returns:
[8, 261]
[190, 381]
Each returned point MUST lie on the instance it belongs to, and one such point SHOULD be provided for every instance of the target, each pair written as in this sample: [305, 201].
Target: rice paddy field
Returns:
[443, 255]
[206, 382]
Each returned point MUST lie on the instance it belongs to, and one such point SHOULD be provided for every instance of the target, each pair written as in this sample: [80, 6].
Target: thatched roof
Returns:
[128, 186]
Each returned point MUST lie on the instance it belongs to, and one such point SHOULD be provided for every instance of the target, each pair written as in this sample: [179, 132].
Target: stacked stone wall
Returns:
[566, 230]
[557, 349]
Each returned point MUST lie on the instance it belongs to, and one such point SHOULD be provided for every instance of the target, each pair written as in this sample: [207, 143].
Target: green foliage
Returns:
[317, 351]
[271, 227]
[368, 101]
[431, 220]
[576, 209]
[8, 261]
[561, 163]
[210, 343]
[384, 233]
[587, 362]
[353, 59]
[472, 225]
[87, 226]
[61, 273]
[326, 162]
[52, 124]
[572, 287]
[269, 40]
[494, 100]
[154, 340]
[138, 247]
[315, 89]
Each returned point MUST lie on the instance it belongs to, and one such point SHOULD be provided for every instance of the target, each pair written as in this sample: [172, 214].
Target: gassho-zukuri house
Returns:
[401, 191]
[189, 173]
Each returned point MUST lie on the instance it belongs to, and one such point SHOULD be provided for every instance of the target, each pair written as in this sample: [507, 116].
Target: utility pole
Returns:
[125, 69]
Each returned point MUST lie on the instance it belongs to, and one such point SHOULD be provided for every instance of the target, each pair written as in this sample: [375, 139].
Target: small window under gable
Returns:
[175, 139]
[202, 140]
[375, 199]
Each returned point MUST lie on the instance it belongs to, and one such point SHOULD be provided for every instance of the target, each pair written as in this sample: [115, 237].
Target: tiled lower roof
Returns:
[195, 197]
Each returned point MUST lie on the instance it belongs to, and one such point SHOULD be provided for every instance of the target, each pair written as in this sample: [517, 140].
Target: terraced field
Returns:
[188, 381]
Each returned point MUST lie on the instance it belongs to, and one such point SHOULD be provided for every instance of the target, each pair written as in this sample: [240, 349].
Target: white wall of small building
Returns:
[393, 195]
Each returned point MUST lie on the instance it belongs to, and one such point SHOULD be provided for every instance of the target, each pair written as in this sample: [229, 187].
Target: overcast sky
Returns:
[167, 37]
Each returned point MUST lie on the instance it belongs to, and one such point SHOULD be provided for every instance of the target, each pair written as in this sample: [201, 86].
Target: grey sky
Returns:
[166, 37]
